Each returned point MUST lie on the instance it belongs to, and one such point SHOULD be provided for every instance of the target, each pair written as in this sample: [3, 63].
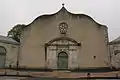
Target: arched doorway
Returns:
[62, 60]
[2, 56]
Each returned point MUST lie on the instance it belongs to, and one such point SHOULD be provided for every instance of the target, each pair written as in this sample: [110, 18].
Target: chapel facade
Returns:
[64, 40]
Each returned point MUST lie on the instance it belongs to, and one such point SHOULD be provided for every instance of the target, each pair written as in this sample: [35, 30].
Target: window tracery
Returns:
[63, 27]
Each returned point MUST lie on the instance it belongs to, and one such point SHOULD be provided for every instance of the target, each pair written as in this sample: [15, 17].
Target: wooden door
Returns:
[62, 60]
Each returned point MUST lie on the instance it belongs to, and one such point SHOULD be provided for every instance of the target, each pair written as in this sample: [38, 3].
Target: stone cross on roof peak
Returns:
[63, 4]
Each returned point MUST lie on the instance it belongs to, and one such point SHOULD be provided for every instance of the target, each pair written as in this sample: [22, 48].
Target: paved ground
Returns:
[62, 79]
[40, 78]
[19, 78]
[7, 78]
[13, 78]
[54, 75]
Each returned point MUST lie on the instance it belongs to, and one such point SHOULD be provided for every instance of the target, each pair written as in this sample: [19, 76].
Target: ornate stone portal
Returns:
[62, 52]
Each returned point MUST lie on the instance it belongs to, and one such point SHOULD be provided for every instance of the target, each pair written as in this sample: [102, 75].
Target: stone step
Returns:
[64, 71]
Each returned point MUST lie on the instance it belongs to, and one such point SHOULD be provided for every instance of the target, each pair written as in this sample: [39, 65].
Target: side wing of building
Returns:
[8, 52]
[115, 52]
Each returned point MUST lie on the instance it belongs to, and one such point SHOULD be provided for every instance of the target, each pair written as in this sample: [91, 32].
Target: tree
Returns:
[15, 32]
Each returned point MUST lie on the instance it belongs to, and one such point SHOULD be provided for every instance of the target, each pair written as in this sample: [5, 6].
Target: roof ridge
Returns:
[116, 40]
[7, 40]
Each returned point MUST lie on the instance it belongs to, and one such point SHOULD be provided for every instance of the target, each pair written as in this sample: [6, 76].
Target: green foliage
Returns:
[15, 32]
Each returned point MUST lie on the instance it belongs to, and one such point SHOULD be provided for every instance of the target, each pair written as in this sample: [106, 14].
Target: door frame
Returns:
[58, 57]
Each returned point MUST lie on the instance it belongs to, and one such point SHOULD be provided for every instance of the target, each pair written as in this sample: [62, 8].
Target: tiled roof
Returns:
[8, 40]
[115, 41]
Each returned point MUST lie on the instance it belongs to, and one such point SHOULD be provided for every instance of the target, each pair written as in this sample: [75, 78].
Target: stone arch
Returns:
[63, 38]
[2, 56]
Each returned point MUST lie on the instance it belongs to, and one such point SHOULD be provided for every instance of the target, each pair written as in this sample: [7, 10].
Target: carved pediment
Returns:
[62, 41]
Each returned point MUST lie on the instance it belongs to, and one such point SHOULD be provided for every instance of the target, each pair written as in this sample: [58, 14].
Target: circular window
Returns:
[63, 28]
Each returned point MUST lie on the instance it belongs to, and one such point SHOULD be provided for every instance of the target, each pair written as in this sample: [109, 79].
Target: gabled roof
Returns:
[8, 40]
[64, 10]
[115, 41]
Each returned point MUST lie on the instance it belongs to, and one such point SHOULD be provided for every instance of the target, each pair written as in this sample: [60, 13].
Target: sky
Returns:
[106, 12]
